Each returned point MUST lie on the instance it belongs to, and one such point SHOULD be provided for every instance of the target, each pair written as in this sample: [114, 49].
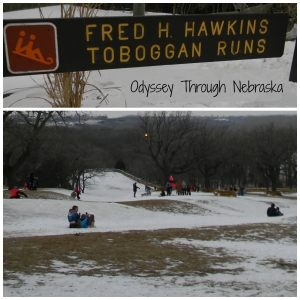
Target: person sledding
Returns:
[278, 212]
[77, 220]
[162, 193]
[274, 212]
[15, 193]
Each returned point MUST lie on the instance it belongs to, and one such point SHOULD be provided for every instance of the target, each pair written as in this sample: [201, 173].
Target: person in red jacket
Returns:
[78, 192]
[15, 193]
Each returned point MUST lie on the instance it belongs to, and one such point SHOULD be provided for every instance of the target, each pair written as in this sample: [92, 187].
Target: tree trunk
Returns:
[274, 176]
[11, 179]
[274, 185]
[207, 181]
[83, 182]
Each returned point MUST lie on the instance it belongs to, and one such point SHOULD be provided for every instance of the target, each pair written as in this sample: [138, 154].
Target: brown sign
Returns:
[85, 44]
[31, 47]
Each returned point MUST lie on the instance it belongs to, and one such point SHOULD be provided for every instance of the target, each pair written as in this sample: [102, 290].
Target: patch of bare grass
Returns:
[170, 206]
[136, 253]
[281, 264]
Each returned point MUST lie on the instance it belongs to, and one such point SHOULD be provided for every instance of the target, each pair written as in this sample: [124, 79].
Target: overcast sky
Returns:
[120, 113]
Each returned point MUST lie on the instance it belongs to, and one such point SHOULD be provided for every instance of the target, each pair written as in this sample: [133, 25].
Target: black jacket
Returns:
[271, 212]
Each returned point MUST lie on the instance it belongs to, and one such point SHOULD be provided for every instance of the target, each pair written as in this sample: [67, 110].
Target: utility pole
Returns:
[138, 9]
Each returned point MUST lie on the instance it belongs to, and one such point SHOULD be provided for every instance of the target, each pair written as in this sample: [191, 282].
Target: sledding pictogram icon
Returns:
[31, 47]
[28, 52]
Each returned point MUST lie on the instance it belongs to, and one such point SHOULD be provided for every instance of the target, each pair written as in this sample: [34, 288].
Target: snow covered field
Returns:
[107, 197]
[273, 71]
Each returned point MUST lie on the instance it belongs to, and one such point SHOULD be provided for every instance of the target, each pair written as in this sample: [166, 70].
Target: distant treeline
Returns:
[208, 152]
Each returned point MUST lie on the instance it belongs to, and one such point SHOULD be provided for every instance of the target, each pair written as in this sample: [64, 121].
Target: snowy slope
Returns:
[258, 71]
[101, 197]
[49, 217]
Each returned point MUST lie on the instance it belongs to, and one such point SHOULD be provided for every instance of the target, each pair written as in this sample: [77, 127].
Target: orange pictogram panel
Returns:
[31, 47]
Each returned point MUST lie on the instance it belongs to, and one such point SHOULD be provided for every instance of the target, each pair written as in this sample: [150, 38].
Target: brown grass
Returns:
[171, 206]
[138, 253]
[67, 89]
[281, 264]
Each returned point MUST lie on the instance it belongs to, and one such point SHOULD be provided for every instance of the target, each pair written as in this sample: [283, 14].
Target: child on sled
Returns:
[78, 220]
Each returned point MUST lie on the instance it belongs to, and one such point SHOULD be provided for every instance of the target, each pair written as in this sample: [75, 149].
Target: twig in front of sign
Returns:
[67, 89]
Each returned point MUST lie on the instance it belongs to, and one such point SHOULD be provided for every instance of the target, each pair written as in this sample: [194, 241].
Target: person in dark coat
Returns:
[272, 212]
[31, 178]
[162, 193]
[241, 192]
[168, 189]
[278, 212]
[188, 189]
[35, 183]
[183, 187]
[135, 187]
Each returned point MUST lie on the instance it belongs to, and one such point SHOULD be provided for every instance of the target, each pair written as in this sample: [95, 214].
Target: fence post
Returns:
[293, 73]
[138, 9]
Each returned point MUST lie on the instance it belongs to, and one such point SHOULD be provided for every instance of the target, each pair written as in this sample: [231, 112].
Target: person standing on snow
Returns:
[27, 183]
[168, 189]
[31, 179]
[188, 189]
[135, 187]
[35, 183]
[178, 187]
[183, 187]
[78, 192]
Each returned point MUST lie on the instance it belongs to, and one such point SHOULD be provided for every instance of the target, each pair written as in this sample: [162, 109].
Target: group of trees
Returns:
[216, 156]
[152, 146]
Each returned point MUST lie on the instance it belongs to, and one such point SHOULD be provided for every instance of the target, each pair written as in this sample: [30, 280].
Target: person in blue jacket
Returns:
[76, 220]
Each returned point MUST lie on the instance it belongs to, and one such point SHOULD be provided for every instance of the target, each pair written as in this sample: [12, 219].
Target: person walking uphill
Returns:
[135, 187]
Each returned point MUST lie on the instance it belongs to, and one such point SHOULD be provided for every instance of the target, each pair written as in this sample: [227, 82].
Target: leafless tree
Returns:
[23, 135]
[166, 138]
[21, 139]
[212, 149]
[267, 149]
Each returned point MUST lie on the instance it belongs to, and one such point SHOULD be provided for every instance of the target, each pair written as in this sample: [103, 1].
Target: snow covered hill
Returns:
[110, 199]
[104, 196]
